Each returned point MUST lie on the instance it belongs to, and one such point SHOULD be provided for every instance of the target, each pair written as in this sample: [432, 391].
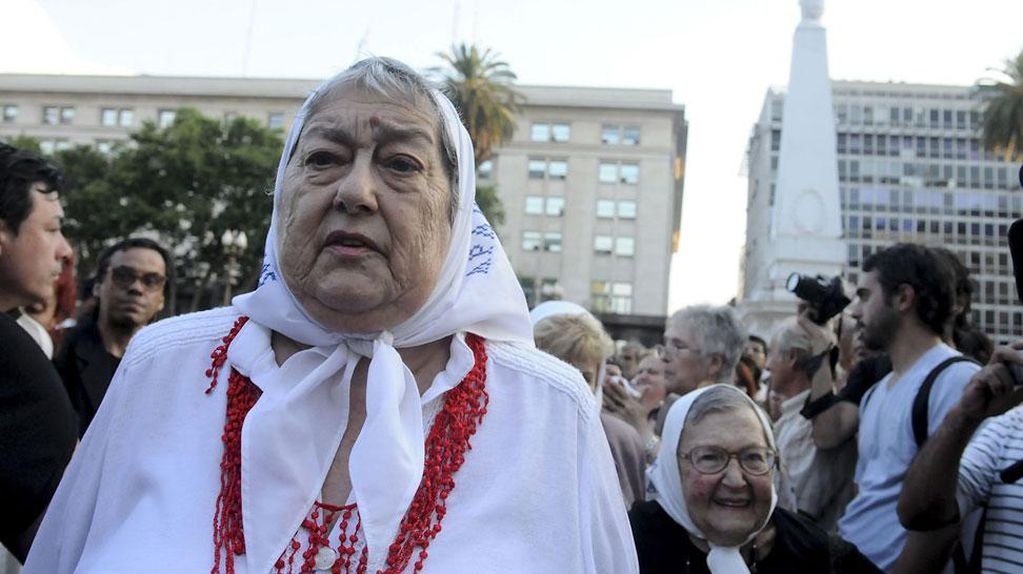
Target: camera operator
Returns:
[955, 474]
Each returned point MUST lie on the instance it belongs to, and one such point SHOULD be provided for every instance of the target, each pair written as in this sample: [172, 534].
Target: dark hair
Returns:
[136, 243]
[760, 341]
[963, 283]
[923, 269]
[19, 171]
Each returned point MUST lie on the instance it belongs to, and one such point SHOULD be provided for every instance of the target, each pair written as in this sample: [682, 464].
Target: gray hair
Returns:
[719, 332]
[725, 399]
[791, 336]
[392, 79]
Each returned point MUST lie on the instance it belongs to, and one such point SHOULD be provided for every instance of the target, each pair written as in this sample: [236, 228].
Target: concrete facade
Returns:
[600, 186]
[911, 167]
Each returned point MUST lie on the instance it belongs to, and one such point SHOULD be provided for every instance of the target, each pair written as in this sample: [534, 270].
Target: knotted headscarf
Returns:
[290, 436]
[665, 482]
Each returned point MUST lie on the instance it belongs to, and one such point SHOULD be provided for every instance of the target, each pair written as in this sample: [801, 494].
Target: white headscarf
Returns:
[665, 482]
[476, 292]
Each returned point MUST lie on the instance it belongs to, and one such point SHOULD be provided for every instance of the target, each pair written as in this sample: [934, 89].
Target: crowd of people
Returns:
[384, 400]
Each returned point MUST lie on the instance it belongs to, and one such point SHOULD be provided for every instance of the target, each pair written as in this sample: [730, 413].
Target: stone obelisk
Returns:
[805, 230]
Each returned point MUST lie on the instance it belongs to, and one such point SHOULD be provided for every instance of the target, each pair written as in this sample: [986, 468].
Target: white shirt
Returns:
[887, 447]
[822, 479]
[537, 492]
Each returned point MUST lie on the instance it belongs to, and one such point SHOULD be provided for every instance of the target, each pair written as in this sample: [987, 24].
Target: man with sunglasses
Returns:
[130, 289]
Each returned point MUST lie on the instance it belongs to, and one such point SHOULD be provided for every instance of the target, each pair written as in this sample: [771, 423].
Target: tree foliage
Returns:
[481, 86]
[1003, 109]
[185, 185]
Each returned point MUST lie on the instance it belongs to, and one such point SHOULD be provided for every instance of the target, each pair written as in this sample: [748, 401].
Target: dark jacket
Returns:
[86, 369]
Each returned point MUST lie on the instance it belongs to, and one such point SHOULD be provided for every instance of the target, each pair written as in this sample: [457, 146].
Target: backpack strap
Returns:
[923, 397]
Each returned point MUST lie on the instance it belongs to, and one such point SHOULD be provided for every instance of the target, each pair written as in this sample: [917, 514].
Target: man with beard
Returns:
[130, 288]
[905, 300]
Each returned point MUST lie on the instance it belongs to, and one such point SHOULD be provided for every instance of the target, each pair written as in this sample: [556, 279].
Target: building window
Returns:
[550, 132]
[555, 206]
[605, 208]
[611, 297]
[108, 117]
[537, 169]
[51, 115]
[630, 135]
[608, 172]
[534, 205]
[105, 147]
[552, 241]
[485, 170]
[126, 118]
[603, 244]
[275, 121]
[627, 209]
[625, 246]
[609, 135]
[67, 115]
[10, 114]
[164, 118]
[531, 241]
[629, 173]
[550, 169]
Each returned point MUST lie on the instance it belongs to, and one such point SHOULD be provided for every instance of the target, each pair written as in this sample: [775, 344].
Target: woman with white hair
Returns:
[713, 499]
[375, 405]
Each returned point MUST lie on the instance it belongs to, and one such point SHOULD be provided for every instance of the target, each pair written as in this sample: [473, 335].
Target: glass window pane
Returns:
[625, 246]
[556, 206]
[552, 242]
[540, 133]
[10, 114]
[166, 118]
[603, 244]
[50, 115]
[127, 118]
[630, 135]
[605, 208]
[108, 117]
[561, 132]
[629, 173]
[537, 169]
[67, 115]
[531, 241]
[609, 135]
[275, 121]
[534, 205]
[608, 172]
[627, 209]
[557, 169]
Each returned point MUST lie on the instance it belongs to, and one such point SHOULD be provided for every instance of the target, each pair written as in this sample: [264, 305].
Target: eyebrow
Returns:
[383, 132]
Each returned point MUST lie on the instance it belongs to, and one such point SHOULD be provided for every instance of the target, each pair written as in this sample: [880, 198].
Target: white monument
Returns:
[798, 227]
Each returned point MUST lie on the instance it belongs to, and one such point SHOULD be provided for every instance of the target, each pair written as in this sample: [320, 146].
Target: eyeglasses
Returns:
[125, 277]
[712, 460]
[672, 347]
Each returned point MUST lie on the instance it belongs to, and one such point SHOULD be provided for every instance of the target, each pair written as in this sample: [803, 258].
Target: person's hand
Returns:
[993, 390]
[821, 337]
[619, 402]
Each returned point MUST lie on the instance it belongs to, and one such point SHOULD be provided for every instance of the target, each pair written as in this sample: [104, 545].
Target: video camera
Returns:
[825, 297]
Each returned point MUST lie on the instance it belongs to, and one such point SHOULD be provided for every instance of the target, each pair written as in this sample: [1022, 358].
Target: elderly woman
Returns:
[713, 500]
[375, 405]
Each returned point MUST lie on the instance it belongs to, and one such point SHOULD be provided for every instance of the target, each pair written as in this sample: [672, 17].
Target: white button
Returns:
[325, 558]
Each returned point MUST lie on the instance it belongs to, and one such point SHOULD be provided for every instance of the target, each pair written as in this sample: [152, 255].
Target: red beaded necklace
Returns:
[448, 440]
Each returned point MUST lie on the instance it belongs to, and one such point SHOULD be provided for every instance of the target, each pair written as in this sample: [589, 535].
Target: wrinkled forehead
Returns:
[415, 105]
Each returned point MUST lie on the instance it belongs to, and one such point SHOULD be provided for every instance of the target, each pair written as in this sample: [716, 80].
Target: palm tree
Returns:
[1003, 110]
[481, 87]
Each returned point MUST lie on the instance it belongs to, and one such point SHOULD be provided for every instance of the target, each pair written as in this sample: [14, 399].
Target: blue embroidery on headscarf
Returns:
[266, 274]
[479, 250]
[484, 230]
[481, 269]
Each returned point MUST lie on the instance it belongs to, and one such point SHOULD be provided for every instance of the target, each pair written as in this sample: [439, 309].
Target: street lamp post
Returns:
[234, 243]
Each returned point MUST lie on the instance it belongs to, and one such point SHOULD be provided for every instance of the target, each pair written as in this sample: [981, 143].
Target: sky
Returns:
[718, 57]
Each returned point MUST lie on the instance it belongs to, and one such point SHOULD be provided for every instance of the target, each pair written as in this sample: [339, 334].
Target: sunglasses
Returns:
[125, 277]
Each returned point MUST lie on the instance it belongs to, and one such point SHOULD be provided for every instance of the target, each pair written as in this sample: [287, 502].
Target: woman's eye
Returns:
[320, 159]
[402, 164]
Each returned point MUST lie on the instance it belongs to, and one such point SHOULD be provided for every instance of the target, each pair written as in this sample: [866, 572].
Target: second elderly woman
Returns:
[375, 405]
[714, 502]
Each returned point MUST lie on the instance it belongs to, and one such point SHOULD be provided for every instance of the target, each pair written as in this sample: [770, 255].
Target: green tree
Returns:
[481, 86]
[1003, 109]
[185, 184]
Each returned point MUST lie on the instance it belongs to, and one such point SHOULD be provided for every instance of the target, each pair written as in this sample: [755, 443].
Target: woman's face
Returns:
[650, 381]
[732, 504]
[364, 211]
